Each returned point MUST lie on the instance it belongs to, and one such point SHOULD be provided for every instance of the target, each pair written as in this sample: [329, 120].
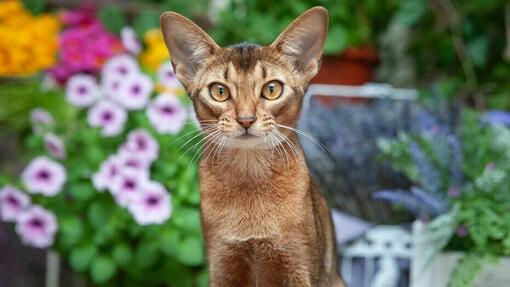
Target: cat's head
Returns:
[246, 92]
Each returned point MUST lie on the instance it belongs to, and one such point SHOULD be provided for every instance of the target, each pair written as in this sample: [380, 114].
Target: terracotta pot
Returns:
[355, 66]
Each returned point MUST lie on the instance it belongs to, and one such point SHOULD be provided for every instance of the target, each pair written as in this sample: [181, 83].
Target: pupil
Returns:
[220, 90]
[271, 88]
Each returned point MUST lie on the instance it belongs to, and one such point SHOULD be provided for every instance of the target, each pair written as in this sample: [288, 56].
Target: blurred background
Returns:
[405, 129]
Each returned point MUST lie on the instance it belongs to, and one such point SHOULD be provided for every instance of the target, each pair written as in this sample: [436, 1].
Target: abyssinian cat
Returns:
[265, 223]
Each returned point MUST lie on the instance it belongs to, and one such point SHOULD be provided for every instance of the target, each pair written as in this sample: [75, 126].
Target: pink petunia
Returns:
[130, 41]
[128, 159]
[167, 77]
[12, 203]
[122, 65]
[108, 116]
[41, 120]
[107, 173]
[134, 92]
[151, 205]
[141, 142]
[82, 90]
[37, 227]
[167, 114]
[44, 176]
[127, 184]
[55, 145]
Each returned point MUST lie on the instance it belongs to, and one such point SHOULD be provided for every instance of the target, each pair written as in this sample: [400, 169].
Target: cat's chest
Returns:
[239, 211]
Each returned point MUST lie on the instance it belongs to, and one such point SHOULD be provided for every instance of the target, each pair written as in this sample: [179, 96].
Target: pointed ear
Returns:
[303, 40]
[188, 45]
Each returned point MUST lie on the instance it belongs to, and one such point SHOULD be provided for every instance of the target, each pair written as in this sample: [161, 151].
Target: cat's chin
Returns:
[248, 141]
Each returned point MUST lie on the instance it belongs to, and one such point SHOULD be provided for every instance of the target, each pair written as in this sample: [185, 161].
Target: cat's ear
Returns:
[303, 40]
[187, 43]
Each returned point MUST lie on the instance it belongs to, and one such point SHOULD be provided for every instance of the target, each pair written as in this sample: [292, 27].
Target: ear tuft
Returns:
[187, 43]
[303, 40]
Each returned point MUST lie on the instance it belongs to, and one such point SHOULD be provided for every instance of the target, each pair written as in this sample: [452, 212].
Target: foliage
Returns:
[352, 22]
[466, 270]
[482, 199]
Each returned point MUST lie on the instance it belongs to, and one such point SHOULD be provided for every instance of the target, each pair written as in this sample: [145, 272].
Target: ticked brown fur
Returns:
[264, 221]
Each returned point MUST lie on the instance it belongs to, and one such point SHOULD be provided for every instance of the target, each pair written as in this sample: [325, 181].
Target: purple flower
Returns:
[167, 114]
[141, 142]
[121, 65]
[127, 184]
[108, 116]
[128, 159]
[41, 120]
[166, 76]
[44, 176]
[111, 85]
[462, 231]
[82, 90]
[453, 192]
[134, 92]
[152, 205]
[12, 203]
[37, 227]
[490, 166]
[107, 173]
[55, 145]
[130, 41]
[496, 117]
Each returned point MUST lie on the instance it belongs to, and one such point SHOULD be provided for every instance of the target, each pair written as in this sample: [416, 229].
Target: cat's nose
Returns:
[246, 121]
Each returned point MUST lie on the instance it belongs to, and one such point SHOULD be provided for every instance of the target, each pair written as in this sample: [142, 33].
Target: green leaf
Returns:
[411, 12]
[34, 6]
[467, 269]
[122, 254]
[98, 213]
[146, 254]
[102, 270]
[187, 219]
[82, 191]
[71, 230]
[478, 50]
[191, 251]
[145, 21]
[81, 257]
[337, 40]
[113, 18]
[169, 242]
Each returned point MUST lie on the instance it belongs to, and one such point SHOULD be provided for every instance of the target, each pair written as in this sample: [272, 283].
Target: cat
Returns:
[264, 221]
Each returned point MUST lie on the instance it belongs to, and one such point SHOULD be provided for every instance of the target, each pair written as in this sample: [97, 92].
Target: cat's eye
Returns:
[219, 92]
[272, 90]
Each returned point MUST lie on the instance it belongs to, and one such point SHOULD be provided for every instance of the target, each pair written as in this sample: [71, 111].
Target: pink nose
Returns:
[246, 121]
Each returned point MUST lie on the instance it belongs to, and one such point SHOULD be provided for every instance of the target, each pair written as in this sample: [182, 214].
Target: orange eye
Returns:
[272, 90]
[219, 92]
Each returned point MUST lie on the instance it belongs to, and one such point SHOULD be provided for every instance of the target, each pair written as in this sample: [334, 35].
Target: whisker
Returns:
[320, 145]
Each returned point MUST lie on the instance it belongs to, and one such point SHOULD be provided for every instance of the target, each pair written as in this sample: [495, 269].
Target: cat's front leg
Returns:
[229, 267]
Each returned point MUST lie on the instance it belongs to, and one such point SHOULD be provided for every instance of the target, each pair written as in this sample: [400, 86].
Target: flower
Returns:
[496, 117]
[156, 52]
[127, 184]
[108, 116]
[152, 205]
[12, 203]
[135, 92]
[108, 170]
[130, 41]
[37, 227]
[55, 145]
[453, 192]
[462, 231]
[129, 159]
[122, 65]
[166, 114]
[167, 77]
[141, 142]
[82, 90]
[44, 176]
[41, 120]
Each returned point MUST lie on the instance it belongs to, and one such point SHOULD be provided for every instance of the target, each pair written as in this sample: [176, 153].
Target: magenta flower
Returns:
[41, 120]
[462, 230]
[37, 227]
[12, 203]
[108, 116]
[121, 66]
[130, 41]
[134, 92]
[55, 145]
[167, 114]
[82, 90]
[141, 142]
[166, 76]
[44, 176]
[107, 173]
[127, 184]
[151, 205]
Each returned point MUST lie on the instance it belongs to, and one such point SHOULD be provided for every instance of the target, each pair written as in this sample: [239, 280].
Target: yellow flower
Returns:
[156, 51]
[29, 43]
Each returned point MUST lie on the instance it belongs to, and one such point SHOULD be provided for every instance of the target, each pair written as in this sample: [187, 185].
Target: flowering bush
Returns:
[156, 52]
[28, 43]
[463, 188]
[108, 189]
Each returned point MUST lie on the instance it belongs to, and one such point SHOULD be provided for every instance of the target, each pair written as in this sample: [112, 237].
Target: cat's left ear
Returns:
[303, 40]
[188, 44]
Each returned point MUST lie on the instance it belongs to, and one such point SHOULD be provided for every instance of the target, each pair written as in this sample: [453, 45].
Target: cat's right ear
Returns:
[187, 43]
